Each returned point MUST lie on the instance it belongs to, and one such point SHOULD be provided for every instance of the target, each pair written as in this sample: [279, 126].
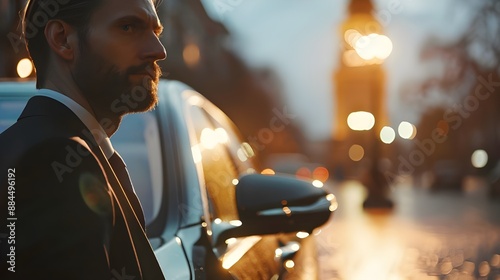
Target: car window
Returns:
[223, 158]
[9, 112]
[138, 142]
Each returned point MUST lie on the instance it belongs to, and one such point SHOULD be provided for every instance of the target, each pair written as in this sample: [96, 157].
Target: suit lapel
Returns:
[146, 260]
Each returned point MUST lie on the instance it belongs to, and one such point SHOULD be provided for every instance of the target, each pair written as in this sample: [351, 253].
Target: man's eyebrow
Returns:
[157, 26]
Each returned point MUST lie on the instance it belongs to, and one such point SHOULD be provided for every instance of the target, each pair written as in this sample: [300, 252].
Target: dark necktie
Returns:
[121, 172]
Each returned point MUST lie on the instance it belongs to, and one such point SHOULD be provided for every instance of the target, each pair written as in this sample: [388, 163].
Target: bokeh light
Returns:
[191, 54]
[24, 67]
[268, 171]
[320, 173]
[407, 130]
[356, 152]
[387, 134]
[303, 173]
[479, 158]
[373, 46]
[208, 138]
[360, 120]
[318, 184]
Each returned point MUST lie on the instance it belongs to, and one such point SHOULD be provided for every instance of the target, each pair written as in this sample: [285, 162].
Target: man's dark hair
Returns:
[37, 13]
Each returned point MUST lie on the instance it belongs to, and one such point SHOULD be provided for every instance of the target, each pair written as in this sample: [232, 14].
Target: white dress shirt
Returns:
[85, 116]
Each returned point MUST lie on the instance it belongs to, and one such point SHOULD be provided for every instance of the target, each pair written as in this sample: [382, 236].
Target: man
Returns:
[70, 206]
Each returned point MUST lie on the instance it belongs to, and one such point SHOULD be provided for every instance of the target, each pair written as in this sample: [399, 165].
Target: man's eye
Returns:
[127, 27]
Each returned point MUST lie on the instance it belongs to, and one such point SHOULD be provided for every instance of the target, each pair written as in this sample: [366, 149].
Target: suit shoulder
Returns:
[60, 148]
[60, 157]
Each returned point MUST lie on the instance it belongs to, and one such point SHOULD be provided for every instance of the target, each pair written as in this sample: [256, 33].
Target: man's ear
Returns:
[62, 38]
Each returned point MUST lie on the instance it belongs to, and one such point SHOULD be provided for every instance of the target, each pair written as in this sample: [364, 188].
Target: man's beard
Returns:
[110, 92]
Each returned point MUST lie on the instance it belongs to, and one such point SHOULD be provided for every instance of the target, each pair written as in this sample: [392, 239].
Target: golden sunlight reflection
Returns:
[194, 99]
[235, 223]
[231, 241]
[360, 121]
[374, 252]
[196, 152]
[427, 237]
[221, 135]
[210, 138]
[235, 253]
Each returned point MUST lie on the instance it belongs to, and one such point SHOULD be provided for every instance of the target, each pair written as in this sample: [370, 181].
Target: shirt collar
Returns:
[85, 116]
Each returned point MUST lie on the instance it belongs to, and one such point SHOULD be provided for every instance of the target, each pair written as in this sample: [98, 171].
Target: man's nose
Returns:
[154, 49]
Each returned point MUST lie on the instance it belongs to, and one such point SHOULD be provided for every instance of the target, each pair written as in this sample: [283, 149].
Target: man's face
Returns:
[116, 67]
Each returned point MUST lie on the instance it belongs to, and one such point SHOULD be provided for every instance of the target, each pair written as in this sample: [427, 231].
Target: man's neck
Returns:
[76, 95]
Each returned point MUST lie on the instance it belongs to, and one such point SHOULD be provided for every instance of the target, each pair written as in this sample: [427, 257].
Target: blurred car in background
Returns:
[298, 165]
[209, 211]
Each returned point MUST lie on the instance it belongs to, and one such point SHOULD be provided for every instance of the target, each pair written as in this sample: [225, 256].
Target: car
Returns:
[210, 213]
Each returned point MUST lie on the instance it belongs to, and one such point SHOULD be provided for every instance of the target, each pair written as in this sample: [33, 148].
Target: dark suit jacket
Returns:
[68, 225]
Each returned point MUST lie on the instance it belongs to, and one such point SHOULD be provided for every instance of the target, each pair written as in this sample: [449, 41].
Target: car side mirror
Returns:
[269, 204]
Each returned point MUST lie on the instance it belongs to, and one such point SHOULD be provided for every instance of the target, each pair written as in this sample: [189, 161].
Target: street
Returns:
[428, 235]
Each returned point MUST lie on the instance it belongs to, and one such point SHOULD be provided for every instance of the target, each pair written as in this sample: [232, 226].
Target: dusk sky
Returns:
[300, 41]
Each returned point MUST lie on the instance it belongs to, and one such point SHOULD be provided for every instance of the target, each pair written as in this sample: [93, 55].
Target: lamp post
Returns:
[360, 98]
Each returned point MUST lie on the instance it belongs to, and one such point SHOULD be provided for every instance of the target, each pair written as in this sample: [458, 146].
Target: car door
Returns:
[223, 157]
[145, 142]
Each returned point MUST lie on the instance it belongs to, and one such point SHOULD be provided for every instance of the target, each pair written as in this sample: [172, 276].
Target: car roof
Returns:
[12, 87]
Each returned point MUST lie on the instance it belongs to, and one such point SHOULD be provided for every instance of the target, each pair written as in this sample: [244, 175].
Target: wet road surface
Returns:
[428, 235]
